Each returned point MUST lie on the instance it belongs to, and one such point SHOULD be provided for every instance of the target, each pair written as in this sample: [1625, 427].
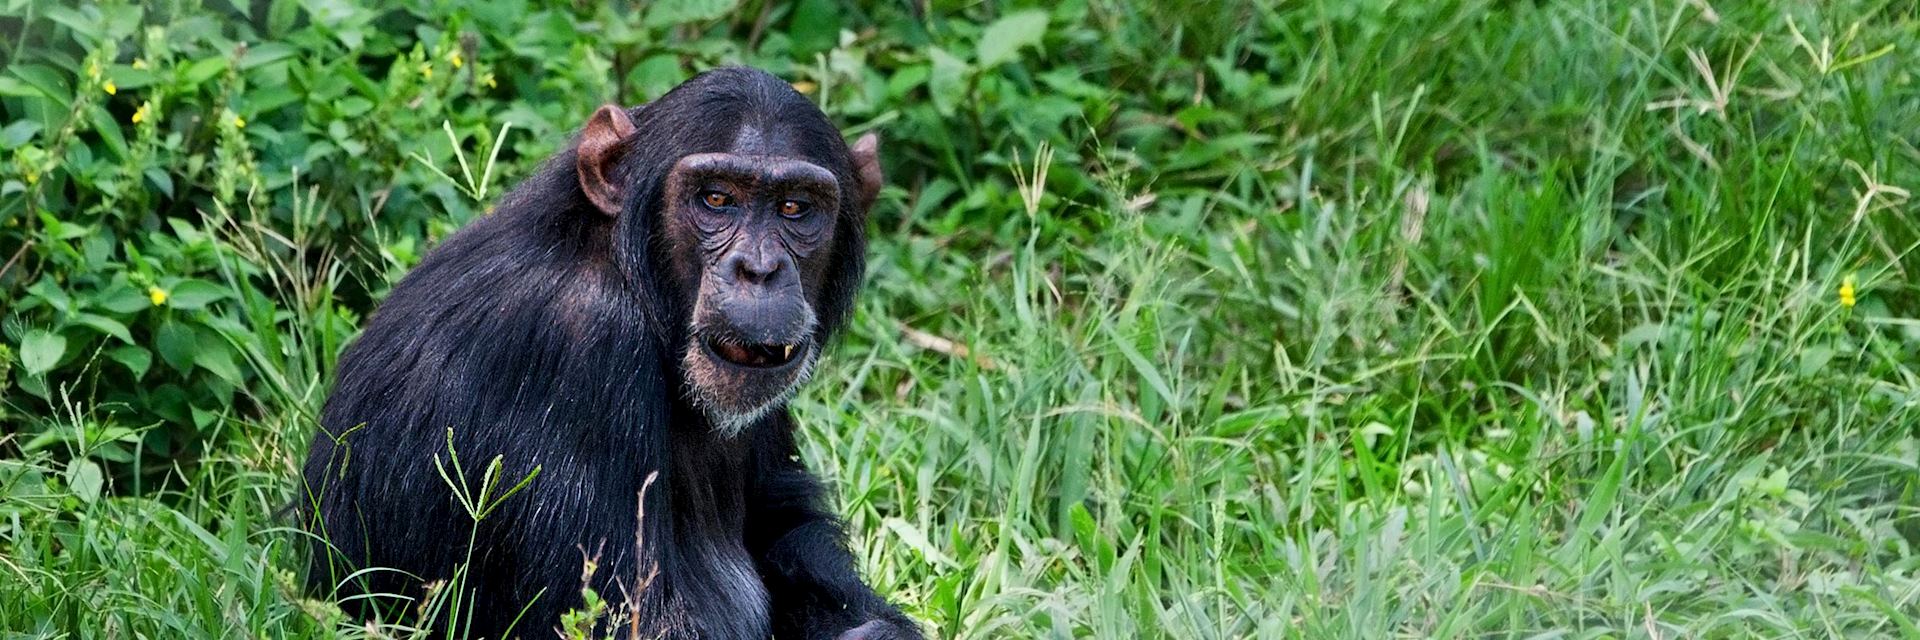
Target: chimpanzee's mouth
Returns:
[754, 356]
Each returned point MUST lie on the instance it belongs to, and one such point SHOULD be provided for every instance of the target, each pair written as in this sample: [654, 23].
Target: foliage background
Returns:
[1197, 319]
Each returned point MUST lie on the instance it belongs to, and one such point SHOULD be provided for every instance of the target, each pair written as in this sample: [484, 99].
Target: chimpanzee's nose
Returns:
[760, 266]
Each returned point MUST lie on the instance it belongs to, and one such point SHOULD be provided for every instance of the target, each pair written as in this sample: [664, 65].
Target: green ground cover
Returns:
[1217, 319]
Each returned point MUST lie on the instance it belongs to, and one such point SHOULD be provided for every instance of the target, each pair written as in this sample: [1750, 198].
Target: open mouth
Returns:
[754, 356]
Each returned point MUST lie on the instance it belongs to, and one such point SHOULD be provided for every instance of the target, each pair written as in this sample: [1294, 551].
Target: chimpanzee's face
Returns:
[750, 237]
[759, 228]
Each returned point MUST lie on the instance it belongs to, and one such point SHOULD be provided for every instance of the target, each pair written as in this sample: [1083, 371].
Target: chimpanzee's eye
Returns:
[716, 200]
[793, 208]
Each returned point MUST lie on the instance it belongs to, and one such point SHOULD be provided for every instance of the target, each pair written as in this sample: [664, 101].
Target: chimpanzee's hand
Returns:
[881, 630]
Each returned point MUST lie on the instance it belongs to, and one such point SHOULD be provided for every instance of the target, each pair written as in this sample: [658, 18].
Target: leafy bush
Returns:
[185, 183]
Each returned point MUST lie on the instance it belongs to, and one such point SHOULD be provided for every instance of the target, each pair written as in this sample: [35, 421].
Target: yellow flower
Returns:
[455, 58]
[805, 86]
[110, 88]
[239, 122]
[487, 79]
[157, 295]
[140, 114]
[1846, 291]
[33, 178]
[139, 63]
[426, 71]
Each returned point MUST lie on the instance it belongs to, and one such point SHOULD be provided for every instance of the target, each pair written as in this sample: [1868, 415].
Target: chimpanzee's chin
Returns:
[736, 384]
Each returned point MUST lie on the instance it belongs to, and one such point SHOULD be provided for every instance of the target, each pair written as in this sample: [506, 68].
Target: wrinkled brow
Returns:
[774, 171]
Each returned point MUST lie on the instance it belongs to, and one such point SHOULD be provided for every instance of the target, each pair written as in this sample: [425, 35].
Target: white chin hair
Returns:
[731, 423]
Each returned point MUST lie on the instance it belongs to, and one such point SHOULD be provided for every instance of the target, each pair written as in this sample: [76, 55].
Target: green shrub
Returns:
[191, 191]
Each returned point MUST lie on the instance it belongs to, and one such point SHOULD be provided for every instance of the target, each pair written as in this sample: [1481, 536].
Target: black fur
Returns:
[548, 333]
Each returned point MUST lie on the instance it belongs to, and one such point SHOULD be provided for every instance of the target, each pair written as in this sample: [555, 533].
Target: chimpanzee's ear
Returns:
[866, 165]
[602, 145]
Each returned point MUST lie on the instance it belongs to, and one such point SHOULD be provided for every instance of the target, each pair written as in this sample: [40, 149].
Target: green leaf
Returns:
[87, 22]
[48, 82]
[15, 88]
[267, 53]
[1815, 358]
[907, 79]
[64, 229]
[815, 27]
[120, 23]
[1082, 523]
[122, 299]
[105, 325]
[205, 69]
[137, 359]
[125, 77]
[281, 15]
[917, 540]
[41, 350]
[1599, 505]
[948, 80]
[1644, 334]
[1148, 372]
[160, 181]
[667, 13]
[216, 355]
[109, 132]
[353, 106]
[194, 294]
[267, 99]
[1006, 36]
[657, 74]
[50, 292]
[18, 133]
[176, 344]
[85, 480]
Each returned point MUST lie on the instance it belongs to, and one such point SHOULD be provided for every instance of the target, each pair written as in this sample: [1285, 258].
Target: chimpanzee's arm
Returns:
[802, 552]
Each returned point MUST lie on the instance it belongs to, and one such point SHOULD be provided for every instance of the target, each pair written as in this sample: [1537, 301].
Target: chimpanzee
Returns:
[630, 320]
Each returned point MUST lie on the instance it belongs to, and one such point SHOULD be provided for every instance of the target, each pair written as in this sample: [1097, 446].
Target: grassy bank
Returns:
[1449, 319]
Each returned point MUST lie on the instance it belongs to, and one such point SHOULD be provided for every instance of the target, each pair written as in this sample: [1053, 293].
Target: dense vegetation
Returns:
[1264, 318]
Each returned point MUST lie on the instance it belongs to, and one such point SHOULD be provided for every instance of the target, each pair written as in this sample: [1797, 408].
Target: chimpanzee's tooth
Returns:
[789, 352]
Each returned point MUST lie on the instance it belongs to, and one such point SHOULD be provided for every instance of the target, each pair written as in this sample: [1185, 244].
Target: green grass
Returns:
[1484, 319]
